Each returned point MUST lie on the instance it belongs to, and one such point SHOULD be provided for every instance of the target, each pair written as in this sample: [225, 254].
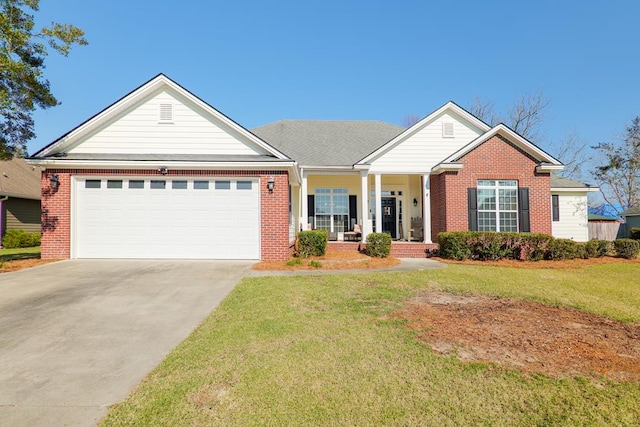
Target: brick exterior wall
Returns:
[56, 207]
[495, 159]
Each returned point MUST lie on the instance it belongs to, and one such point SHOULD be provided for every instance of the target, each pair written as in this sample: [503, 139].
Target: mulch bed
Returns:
[332, 260]
[19, 264]
[532, 337]
[545, 264]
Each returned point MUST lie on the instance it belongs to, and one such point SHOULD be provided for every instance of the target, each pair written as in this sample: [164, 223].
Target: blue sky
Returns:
[259, 62]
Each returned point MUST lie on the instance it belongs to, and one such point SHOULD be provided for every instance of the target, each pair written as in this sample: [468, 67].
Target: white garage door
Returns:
[197, 218]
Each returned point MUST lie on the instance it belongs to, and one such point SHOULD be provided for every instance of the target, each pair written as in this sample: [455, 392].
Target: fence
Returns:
[606, 230]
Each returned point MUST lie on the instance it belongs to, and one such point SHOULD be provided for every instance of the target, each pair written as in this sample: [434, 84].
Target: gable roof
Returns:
[450, 106]
[58, 147]
[513, 137]
[327, 142]
[19, 179]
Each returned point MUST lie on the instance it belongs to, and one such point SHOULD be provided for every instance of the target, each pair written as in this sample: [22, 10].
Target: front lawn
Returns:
[19, 253]
[326, 350]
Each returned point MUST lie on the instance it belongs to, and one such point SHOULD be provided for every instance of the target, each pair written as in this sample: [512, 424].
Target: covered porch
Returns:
[338, 200]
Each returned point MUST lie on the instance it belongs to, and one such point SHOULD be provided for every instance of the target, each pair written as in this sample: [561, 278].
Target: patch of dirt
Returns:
[532, 337]
[545, 264]
[19, 264]
[331, 260]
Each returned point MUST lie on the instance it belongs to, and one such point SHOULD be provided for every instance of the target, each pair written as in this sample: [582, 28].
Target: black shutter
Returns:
[353, 211]
[311, 210]
[555, 207]
[472, 197]
[523, 209]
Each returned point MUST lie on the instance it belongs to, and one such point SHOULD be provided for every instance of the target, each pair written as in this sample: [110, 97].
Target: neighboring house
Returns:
[631, 220]
[162, 174]
[19, 196]
[569, 208]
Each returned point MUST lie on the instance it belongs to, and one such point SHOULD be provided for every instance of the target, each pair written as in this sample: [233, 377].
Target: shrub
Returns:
[627, 248]
[315, 264]
[561, 249]
[532, 246]
[293, 262]
[597, 248]
[378, 245]
[312, 243]
[490, 245]
[634, 233]
[18, 238]
[453, 245]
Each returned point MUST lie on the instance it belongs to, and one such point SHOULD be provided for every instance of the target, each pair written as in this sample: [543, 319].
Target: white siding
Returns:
[573, 222]
[427, 147]
[138, 131]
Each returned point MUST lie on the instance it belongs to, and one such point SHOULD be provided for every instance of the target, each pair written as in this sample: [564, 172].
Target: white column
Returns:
[305, 206]
[365, 225]
[406, 211]
[378, 181]
[426, 208]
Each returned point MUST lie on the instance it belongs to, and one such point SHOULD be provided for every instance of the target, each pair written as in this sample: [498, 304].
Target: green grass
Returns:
[19, 253]
[323, 350]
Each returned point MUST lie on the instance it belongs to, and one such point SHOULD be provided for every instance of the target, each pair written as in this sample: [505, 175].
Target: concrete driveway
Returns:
[78, 336]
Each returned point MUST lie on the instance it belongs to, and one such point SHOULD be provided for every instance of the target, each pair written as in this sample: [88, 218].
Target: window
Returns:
[223, 185]
[158, 185]
[136, 184]
[555, 207]
[113, 183]
[92, 183]
[332, 209]
[498, 205]
[243, 185]
[179, 185]
[200, 185]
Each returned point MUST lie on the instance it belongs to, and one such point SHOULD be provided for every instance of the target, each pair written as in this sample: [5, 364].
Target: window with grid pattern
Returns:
[498, 205]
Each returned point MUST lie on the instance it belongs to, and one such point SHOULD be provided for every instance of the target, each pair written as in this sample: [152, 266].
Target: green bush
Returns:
[490, 245]
[20, 239]
[532, 246]
[312, 243]
[626, 248]
[453, 245]
[561, 249]
[634, 233]
[597, 248]
[378, 245]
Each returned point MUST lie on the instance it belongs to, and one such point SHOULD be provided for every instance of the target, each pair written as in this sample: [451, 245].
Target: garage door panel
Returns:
[198, 222]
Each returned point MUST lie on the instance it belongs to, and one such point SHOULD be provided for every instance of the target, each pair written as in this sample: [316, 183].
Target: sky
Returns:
[259, 62]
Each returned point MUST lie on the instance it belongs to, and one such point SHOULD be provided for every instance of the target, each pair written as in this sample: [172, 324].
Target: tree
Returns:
[619, 175]
[410, 120]
[23, 87]
[525, 116]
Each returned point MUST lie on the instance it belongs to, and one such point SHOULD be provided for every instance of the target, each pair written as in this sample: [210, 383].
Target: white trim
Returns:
[574, 189]
[514, 138]
[447, 167]
[449, 106]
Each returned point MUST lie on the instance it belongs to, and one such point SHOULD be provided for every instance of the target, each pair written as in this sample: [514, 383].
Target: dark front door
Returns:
[389, 216]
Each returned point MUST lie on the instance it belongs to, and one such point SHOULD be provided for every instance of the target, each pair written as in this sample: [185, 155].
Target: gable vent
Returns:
[166, 112]
[447, 130]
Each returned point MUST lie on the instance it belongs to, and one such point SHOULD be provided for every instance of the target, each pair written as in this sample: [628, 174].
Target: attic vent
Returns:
[166, 113]
[447, 130]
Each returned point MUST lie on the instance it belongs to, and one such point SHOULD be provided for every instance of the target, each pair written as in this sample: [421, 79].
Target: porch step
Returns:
[398, 249]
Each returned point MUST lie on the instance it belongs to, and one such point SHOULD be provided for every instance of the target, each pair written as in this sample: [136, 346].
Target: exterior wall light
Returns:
[163, 170]
[271, 183]
[55, 182]
[415, 202]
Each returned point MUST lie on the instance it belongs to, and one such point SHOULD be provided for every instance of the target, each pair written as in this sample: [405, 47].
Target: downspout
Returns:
[2, 199]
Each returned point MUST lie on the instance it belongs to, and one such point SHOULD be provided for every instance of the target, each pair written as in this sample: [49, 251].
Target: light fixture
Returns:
[55, 182]
[415, 202]
[271, 183]
[163, 170]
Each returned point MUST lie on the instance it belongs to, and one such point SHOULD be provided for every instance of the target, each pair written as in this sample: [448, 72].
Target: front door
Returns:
[389, 216]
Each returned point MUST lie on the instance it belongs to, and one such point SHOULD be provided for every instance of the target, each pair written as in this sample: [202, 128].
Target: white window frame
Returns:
[498, 187]
[330, 211]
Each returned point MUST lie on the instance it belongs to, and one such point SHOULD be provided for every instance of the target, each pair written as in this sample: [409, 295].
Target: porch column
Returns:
[378, 181]
[426, 208]
[365, 224]
[305, 206]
